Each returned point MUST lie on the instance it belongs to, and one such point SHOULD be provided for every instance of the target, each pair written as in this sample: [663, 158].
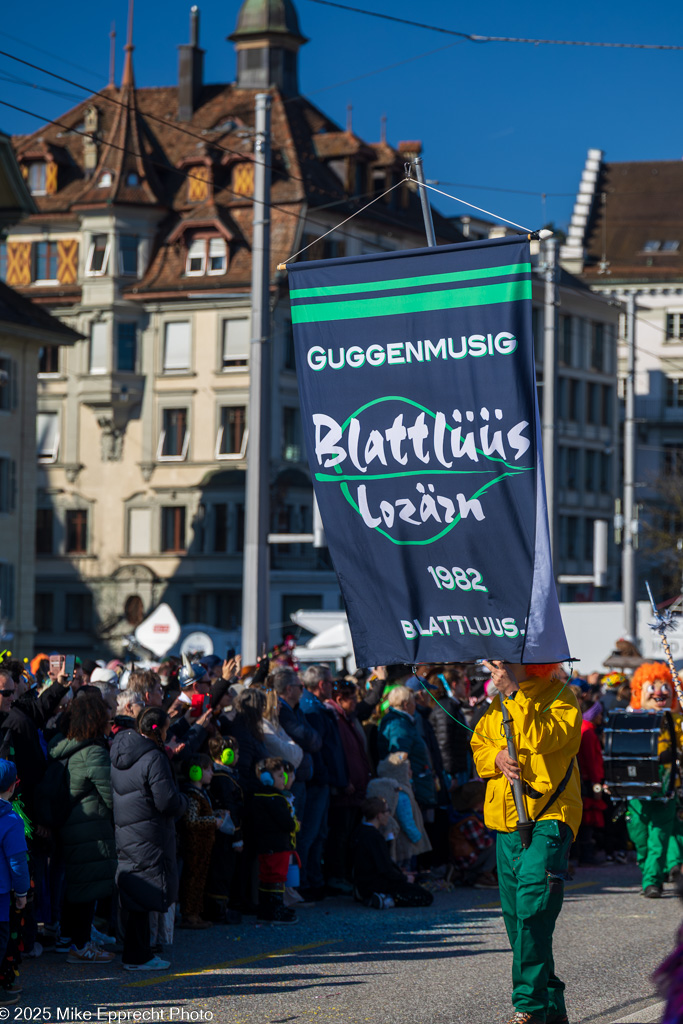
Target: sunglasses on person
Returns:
[7, 693]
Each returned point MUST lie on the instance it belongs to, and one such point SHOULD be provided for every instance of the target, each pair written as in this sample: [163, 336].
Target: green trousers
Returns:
[655, 831]
[531, 892]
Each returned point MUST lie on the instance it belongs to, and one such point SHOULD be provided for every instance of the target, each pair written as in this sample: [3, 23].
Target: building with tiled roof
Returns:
[141, 242]
[626, 238]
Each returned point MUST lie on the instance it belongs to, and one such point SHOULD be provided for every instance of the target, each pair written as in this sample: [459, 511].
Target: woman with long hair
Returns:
[147, 803]
[87, 836]
[276, 740]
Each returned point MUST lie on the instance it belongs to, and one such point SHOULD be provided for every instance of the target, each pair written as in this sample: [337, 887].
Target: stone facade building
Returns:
[142, 243]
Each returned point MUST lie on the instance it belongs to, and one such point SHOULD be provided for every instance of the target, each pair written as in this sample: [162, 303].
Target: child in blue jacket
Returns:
[14, 875]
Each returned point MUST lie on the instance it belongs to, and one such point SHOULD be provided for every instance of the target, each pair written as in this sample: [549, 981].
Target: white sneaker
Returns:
[36, 951]
[90, 954]
[155, 964]
[100, 939]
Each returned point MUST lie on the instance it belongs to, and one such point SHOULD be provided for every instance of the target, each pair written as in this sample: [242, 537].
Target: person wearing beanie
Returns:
[14, 875]
[546, 726]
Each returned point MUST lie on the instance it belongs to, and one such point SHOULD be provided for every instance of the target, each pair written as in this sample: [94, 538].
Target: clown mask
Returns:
[656, 695]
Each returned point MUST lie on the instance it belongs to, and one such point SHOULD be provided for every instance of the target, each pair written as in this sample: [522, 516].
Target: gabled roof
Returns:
[634, 225]
[141, 135]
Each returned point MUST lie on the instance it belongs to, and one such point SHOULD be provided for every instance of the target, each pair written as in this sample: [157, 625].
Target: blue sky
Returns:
[501, 115]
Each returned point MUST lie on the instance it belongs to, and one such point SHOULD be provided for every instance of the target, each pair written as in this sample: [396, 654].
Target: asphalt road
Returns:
[343, 963]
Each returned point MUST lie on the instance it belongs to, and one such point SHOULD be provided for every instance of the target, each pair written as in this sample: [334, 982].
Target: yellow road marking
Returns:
[159, 978]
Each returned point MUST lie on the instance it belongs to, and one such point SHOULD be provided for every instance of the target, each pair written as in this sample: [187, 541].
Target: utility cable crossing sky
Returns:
[473, 38]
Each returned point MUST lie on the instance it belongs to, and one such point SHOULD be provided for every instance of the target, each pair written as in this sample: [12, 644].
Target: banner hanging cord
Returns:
[496, 216]
[408, 178]
[283, 266]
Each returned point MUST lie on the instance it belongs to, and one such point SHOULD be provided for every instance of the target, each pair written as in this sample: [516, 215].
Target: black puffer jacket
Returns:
[453, 737]
[20, 739]
[146, 805]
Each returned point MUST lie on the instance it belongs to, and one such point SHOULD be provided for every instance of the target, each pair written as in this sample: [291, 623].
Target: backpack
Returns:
[53, 802]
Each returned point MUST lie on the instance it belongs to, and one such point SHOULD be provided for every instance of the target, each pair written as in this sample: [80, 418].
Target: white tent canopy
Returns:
[332, 640]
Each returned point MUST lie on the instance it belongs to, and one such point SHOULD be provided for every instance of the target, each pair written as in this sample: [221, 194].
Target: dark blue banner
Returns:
[418, 401]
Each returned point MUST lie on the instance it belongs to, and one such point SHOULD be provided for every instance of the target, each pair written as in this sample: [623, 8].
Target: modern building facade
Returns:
[142, 243]
[587, 478]
[625, 239]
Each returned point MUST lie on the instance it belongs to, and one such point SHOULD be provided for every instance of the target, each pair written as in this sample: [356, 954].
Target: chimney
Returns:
[190, 70]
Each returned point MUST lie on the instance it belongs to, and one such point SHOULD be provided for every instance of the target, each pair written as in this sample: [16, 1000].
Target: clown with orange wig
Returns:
[546, 722]
[653, 825]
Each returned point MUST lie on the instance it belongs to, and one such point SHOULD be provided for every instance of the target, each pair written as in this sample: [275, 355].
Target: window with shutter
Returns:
[99, 347]
[47, 431]
[37, 178]
[236, 342]
[177, 347]
[139, 531]
[218, 256]
[196, 258]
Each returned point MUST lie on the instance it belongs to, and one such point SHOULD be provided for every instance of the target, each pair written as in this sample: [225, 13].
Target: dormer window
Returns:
[105, 180]
[196, 258]
[37, 178]
[218, 256]
[206, 256]
[653, 245]
[98, 255]
[132, 179]
[671, 245]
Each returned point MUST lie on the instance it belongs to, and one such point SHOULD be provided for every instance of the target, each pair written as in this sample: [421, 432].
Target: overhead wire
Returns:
[188, 174]
[55, 56]
[475, 38]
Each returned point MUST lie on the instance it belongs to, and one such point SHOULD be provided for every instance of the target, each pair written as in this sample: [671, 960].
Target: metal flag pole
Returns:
[424, 199]
[257, 505]
[525, 827]
[663, 622]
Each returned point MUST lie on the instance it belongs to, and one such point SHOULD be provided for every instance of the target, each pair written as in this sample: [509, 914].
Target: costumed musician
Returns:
[546, 722]
[653, 824]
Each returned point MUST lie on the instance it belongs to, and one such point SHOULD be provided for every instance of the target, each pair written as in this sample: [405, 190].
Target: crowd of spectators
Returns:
[190, 795]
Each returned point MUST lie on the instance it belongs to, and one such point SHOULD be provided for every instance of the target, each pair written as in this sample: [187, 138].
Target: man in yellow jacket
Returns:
[546, 723]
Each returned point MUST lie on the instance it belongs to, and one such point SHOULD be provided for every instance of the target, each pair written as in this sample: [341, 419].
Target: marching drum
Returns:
[640, 755]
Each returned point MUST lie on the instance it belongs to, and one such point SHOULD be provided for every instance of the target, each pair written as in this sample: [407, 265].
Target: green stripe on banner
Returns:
[411, 282]
[421, 302]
